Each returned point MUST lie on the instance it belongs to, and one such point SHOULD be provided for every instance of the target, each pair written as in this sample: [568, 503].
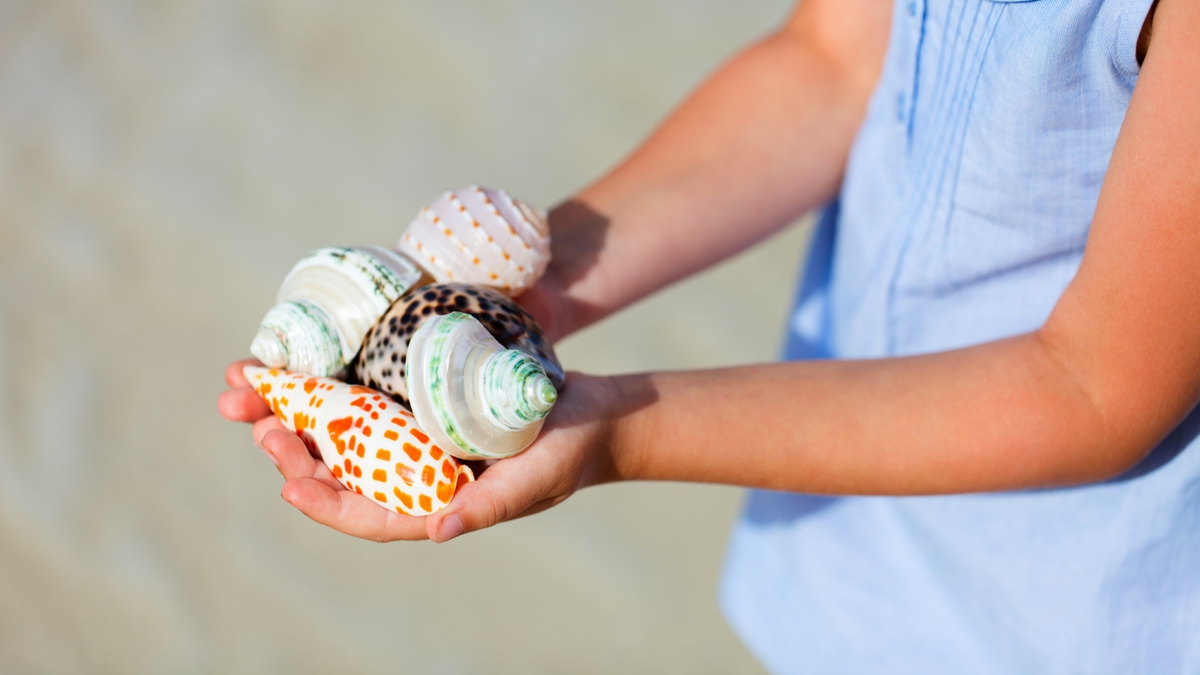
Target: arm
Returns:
[1115, 367]
[764, 140]
[1113, 370]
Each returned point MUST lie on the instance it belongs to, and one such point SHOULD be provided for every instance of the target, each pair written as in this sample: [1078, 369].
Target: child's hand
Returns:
[570, 453]
[242, 404]
[309, 485]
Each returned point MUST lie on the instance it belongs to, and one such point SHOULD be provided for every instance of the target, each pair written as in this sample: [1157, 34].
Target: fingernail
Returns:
[450, 528]
[271, 456]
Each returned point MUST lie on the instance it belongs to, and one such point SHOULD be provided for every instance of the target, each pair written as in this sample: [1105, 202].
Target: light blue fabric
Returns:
[962, 217]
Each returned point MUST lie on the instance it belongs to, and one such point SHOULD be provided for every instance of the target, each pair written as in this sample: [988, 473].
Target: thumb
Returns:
[481, 504]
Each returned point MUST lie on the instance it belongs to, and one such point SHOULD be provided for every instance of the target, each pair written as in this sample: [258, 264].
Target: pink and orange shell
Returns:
[371, 444]
[480, 236]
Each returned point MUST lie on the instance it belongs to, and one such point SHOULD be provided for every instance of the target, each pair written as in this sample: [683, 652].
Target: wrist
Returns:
[596, 414]
[629, 416]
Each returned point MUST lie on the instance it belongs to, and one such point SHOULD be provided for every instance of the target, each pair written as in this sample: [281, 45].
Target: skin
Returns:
[1082, 399]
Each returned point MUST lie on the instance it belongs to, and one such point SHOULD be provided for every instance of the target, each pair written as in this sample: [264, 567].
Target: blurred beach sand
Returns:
[162, 165]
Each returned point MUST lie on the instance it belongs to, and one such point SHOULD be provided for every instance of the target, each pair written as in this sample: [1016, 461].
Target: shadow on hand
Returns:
[578, 233]
[577, 237]
[589, 400]
[593, 399]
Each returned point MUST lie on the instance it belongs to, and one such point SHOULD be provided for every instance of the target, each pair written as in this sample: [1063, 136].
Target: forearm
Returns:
[1000, 416]
[762, 141]
[1115, 367]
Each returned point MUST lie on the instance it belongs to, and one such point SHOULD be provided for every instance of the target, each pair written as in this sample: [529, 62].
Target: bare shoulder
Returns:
[853, 33]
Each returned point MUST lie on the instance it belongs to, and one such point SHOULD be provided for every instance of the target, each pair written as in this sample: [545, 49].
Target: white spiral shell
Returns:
[480, 236]
[475, 398]
[327, 304]
[300, 336]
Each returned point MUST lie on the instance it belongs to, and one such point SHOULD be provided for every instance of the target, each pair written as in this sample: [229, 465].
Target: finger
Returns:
[242, 405]
[505, 491]
[261, 427]
[350, 512]
[234, 377]
[294, 460]
[538, 507]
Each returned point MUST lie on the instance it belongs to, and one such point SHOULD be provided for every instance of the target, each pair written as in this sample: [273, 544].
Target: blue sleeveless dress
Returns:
[962, 217]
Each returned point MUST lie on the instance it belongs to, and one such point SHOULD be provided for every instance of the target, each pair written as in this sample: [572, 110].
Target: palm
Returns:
[309, 484]
[542, 476]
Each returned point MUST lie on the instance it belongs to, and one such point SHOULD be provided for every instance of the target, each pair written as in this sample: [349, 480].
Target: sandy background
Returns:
[162, 165]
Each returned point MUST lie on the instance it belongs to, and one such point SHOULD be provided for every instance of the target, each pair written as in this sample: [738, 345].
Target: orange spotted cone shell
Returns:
[372, 445]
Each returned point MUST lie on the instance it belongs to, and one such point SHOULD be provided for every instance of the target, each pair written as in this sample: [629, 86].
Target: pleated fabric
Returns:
[962, 217]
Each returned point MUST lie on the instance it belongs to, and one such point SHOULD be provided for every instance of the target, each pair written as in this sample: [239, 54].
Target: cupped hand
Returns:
[308, 483]
[570, 453]
[240, 403]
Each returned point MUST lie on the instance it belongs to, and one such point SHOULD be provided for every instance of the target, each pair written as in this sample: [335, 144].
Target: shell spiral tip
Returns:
[540, 393]
[299, 335]
[268, 348]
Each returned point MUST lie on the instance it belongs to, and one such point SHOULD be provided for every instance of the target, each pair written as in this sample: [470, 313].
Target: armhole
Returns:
[1143, 41]
[1131, 16]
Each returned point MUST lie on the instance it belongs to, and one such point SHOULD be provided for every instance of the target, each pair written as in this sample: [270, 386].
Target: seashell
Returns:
[299, 336]
[351, 287]
[475, 398]
[384, 354]
[371, 444]
[480, 236]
